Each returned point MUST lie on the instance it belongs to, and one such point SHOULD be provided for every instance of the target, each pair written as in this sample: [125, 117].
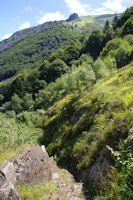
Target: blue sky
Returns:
[20, 14]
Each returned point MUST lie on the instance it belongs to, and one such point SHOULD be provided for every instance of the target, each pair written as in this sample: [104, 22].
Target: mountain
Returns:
[26, 47]
[23, 33]
[72, 17]
[76, 99]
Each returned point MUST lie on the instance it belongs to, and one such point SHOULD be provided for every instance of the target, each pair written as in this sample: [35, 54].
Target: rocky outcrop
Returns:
[72, 17]
[7, 190]
[33, 166]
[98, 173]
[66, 187]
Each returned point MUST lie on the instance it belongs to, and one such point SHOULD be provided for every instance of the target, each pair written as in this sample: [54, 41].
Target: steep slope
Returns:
[81, 130]
[23, 33]
[79, 107]
[30, 45]
[78, 128]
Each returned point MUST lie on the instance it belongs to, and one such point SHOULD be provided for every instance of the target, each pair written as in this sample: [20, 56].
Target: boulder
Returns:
[33, 166]
[7, 190]
[7, 168]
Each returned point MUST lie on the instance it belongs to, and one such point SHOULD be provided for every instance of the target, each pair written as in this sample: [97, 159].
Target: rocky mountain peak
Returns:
[72, 17]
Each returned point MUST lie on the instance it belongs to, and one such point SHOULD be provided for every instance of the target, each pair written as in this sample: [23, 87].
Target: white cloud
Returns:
[100, 11]
[107, 7]
[24, 25]
[6, 36]
[29, 8]
[75, 6]
[110, 7]
[51, 17]
[114, 5]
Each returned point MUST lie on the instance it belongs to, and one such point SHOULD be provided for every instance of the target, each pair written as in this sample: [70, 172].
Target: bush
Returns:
[100, 68]
[110, 63]
[119, 49]
[122, 54]
[74, 80]
[110, 46]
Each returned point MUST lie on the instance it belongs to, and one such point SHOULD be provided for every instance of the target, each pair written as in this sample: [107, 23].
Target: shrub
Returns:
[100, 68]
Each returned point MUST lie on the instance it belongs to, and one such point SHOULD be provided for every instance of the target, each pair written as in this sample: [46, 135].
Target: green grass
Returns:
[44, 191]
[38, 192]
[88, 23]
[15, 134]
[76, 130]
[81, 124]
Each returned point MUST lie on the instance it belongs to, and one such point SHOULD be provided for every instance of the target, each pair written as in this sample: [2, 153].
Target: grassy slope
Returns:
[79, 126]
[89, 23]
[76, 128]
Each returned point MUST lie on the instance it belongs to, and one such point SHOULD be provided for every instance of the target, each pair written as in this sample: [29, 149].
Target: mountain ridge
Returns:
[74, 95]
[35, 29]
[37, 43]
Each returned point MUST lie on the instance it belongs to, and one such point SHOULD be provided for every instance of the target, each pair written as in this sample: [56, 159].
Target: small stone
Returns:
[55, 176]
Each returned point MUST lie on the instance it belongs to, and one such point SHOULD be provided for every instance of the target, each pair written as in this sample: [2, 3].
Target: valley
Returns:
[68, 85]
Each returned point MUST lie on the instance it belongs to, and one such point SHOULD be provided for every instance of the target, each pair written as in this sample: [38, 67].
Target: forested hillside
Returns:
[31, 45]
[73, 93]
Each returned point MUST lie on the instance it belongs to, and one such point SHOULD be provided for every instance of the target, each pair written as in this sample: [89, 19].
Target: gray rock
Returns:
[7, 190]
[33, 166]
[7, 168]
[98, 172]
[72, 17]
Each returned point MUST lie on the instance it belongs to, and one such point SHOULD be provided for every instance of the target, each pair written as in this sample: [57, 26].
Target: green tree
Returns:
[127, 28]
[16, 103]
[114, 22]
[100, 68]
[123, 54]
[124, 17]
[111, 46]
[106, 26]
[55, 70]
[94, 44]
[27, 102]
[109, 35]
[72, 52]
[110, 63]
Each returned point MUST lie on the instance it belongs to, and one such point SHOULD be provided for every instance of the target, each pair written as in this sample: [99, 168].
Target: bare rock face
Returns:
[7, 190]
[98, 172]
[33, 166]
[7, 169]
[66, 187]
[72, 17]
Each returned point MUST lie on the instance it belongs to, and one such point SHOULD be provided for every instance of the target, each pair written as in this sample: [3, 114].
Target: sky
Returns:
[16, 15]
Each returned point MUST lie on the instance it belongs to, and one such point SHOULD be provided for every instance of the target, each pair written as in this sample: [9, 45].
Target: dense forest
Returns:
[70, 88]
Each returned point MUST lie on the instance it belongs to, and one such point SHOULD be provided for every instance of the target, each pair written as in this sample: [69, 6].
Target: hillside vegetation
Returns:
[37, 43]
[78, 102]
